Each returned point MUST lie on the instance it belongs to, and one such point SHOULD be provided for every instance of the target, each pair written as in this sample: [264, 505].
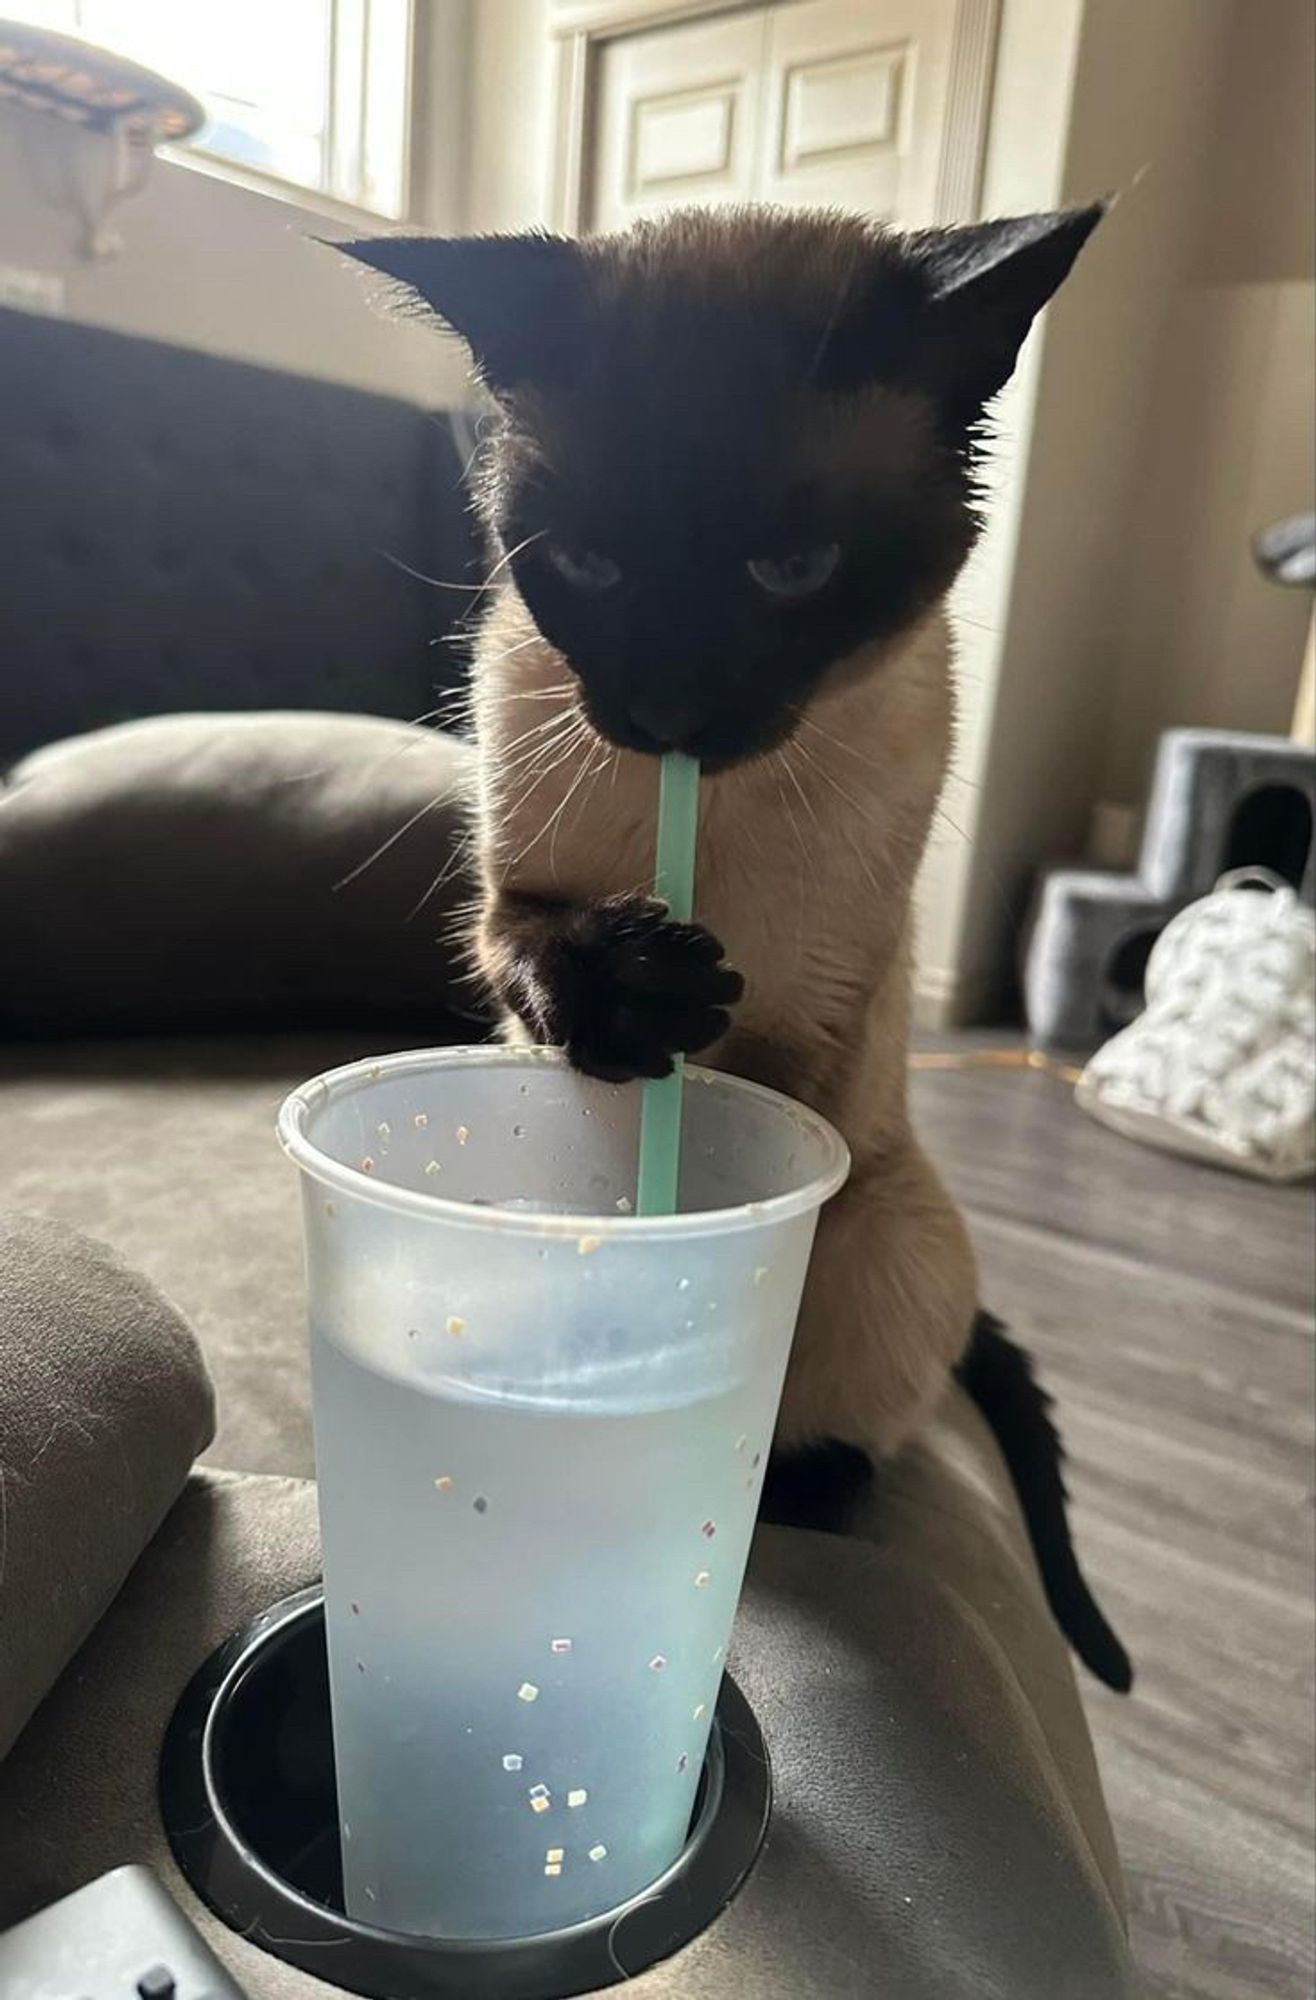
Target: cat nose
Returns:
[670, 719]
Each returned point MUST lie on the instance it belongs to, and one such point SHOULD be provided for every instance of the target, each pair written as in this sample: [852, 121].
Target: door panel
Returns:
[854, 105]
[677, 118]
[805, 102]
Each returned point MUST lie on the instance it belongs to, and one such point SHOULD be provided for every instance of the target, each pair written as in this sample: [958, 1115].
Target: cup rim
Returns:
[311, 1096]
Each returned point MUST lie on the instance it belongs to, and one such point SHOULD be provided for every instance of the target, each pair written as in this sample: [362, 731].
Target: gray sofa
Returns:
[939, 1829]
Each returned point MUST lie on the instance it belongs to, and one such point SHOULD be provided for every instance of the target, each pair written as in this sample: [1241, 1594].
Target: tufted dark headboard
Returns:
[179, 532]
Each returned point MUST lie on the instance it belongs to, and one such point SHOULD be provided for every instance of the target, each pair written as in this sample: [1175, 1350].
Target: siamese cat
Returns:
[733, 479]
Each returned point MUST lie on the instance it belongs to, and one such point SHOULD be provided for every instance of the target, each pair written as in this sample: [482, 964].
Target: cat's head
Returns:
[737, 446]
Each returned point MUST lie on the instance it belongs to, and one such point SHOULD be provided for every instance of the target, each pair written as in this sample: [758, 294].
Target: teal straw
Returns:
[674, 881]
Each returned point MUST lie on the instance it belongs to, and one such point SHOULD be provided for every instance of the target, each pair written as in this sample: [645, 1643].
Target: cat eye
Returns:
[584, 569]
[798, 575]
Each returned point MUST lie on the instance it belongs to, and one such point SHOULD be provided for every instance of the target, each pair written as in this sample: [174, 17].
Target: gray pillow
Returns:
[198, 872]
[104, 1404]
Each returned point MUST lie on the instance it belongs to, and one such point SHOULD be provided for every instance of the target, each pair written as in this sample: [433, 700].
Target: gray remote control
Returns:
[121, 1938]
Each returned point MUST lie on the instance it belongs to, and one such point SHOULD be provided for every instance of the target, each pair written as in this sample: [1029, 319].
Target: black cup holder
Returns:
[247, 1792]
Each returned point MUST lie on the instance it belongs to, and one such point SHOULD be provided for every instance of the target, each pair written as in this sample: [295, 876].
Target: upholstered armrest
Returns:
[104, 1404]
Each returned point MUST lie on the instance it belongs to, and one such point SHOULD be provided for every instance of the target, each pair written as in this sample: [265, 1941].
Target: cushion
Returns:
[104, 1404]
[227, 871]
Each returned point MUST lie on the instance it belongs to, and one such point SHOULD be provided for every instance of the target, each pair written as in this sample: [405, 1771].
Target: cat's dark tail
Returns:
[998, 1375]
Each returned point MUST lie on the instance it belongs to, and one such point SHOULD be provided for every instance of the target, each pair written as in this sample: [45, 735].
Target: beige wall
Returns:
[1138, 122]
[211, 264]
[1023, 170]
[511, 111]
[1172, 416]
[1229, 444]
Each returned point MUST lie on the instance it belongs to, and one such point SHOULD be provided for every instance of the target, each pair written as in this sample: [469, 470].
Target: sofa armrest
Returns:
[104, 1404]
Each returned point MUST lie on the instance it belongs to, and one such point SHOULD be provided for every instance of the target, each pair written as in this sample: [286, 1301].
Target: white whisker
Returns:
[392, 841]
[457, 859]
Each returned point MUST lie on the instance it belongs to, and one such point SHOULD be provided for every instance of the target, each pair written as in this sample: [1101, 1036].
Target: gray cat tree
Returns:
[1219, 800]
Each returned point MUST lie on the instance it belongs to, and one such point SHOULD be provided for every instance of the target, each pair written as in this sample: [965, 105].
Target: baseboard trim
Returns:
[944, 997]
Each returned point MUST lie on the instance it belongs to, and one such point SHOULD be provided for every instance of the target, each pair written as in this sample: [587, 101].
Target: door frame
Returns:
[580, 29]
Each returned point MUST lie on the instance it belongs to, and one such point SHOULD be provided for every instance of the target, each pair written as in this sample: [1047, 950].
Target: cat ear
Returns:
[985, 284]
[517, 301]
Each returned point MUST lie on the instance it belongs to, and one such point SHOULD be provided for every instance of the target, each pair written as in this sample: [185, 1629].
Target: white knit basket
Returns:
[1221, 1065]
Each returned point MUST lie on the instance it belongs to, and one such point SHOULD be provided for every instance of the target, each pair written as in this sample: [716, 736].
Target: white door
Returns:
[805, 102]
[855, 105]
[677, 117]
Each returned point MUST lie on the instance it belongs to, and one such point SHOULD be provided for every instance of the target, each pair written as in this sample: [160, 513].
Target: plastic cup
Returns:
[541, 1426]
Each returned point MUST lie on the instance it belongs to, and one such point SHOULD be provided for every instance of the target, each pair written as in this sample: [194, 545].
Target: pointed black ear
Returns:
[985, 284]
[517, 301]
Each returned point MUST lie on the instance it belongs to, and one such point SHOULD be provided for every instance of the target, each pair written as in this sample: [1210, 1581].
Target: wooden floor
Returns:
[1171, 1308]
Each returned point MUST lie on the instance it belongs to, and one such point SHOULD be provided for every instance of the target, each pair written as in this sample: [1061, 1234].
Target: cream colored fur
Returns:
[806, 864]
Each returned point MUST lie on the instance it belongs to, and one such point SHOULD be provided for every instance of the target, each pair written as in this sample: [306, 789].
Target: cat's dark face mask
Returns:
[737, 449]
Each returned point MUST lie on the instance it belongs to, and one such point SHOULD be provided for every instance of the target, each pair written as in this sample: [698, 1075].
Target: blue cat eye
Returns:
[800, 574]
[584, 569]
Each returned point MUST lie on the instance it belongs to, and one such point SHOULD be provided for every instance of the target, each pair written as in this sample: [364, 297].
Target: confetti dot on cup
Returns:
[683, 1284]
[367, 1165]
[443, 1484]
[527, 1692]
[384, 1130]
[513, 1762]
[518, 1131]
[463, 1134]
[757, 1460]
[421, 1120]
[371, 1896]
[657, 1663]
[708, 1530]
[624, 1205]
[540, 1805]
[699, 1710]
[560, 1646]
[455, 1323]
[433, 1167]
[552, 1868]
[480, 1504]
[599, 1853]
[719, 1656]
[355, 1610]
[540, 1792]
[577, 1798]
[760, 1274]
[360, 1666]
[555, 1854]
[587, 1245]
[681, 1762]
[741, 1442]
[703, 1579]
[329, 1209]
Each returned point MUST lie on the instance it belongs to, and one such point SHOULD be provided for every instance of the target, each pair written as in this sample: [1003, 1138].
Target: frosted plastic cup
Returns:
[541, 1425]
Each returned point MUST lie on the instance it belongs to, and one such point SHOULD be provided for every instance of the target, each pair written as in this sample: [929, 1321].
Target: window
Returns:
[315, 92]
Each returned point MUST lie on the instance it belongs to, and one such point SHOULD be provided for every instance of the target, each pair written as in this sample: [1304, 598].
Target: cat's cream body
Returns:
[807, 860]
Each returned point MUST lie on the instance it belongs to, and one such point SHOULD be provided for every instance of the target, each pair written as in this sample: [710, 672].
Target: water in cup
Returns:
[538, 1590]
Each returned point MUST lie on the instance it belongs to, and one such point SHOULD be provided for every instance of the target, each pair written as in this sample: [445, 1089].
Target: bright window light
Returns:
[313, 92]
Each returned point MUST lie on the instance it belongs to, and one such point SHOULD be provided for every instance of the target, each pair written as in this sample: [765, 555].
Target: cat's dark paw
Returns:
[643, 989]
